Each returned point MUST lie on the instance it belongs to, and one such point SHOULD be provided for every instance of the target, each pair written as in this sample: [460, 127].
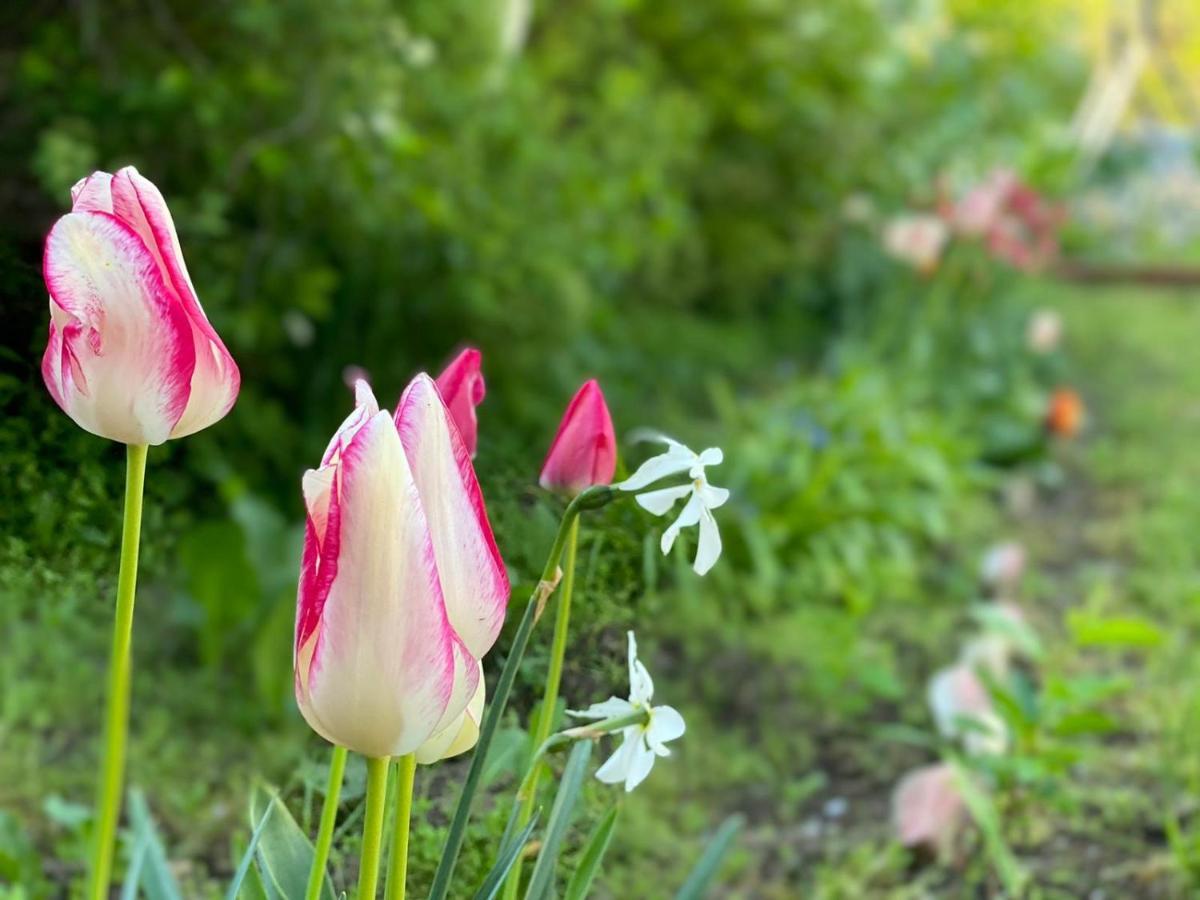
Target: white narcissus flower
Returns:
[703, 497]
[642, 742]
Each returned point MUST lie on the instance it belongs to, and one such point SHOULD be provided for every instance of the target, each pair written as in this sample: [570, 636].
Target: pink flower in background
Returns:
[1017, 225]
[928, 809]
[916, 239]
[584, 451]
[462, 388]
[131, 355]
[402, 588]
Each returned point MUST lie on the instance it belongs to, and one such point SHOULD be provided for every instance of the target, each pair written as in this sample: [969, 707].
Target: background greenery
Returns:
[652, 193]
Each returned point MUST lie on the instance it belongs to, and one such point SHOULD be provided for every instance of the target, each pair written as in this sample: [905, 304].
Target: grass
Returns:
[805, 701]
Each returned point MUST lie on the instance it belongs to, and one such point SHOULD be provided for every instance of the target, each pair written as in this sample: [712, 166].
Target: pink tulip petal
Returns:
[927, 808]
[216, 381]
[462, 388]
[93, 194]
[374, 674]
[584, 450]
[120, 357]
[474, 580]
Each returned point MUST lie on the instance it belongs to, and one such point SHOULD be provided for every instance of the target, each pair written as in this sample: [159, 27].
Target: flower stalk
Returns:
[406, 769]
[372, 840]
[593, 498]
[545, 718]
[333, 790]
[120, 671]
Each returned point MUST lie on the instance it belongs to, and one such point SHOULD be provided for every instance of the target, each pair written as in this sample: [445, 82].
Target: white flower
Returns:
[916, 239]
[703, 497]
[642, 742]
[962, 709]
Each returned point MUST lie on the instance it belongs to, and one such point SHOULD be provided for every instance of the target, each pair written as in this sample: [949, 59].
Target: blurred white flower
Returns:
[703, 497]
[642, 742]
[916, 239]
[962, 709]
[1003, 565]
[1044, 331]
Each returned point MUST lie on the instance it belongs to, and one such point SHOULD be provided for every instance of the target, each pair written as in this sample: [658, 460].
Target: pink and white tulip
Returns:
[131, 355]
[962, 709]
[584, 451]
[402, 588]
[463, 388]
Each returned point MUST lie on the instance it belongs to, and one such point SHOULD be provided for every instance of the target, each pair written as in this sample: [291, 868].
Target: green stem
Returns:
[406, 768]
[120, 670]
[372, 839]
[316, 876]
[592, 498]
[545, 718]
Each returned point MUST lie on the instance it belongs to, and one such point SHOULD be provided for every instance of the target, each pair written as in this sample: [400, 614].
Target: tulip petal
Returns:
[462, 388]
[461, 734]
[120, 358]
[375, 675]
[584, 450]
[927, 807]
[473, 577]
[216, 381]
[93, 194]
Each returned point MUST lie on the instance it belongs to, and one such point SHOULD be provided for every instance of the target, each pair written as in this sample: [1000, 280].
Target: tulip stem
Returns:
[545, 717]
[333, 789]
[592, 498]
[120, 669]
[406, 769]
[372, 839]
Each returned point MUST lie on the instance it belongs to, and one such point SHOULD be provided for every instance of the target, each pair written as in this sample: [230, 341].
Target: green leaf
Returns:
[248, 857]
[593, 855]
[983, 811]
[156, 878]
[1091, 630]
[542, 879]
[508, 747]
[284, 854]
[700, 880]
[504, 862]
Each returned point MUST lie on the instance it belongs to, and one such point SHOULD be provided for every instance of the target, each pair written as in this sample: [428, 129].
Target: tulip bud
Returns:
[402, 589]
[131, 355]
[584, 451]
[1065, 413]
[462, 389]
[927, 808]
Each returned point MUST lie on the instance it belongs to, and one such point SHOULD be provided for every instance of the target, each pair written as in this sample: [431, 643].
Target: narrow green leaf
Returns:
[129, 889]
[983, 811]
[700, 880]
[248, 857]
[504, 862]
[542, 879]
[155, 878]
[593, 855]
[284, 853]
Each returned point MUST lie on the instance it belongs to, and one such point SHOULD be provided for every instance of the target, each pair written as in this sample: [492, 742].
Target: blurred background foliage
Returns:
[661, 194]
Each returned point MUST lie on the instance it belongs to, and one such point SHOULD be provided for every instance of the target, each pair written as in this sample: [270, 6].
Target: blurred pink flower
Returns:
[1003, 565]
[962, 709]
[928, 809]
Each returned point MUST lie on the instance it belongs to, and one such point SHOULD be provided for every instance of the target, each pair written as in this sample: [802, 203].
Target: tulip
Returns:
[462, 388]
[402, 588]
[584, 451]
[131, 355]
[402, 591]
[962, 709]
